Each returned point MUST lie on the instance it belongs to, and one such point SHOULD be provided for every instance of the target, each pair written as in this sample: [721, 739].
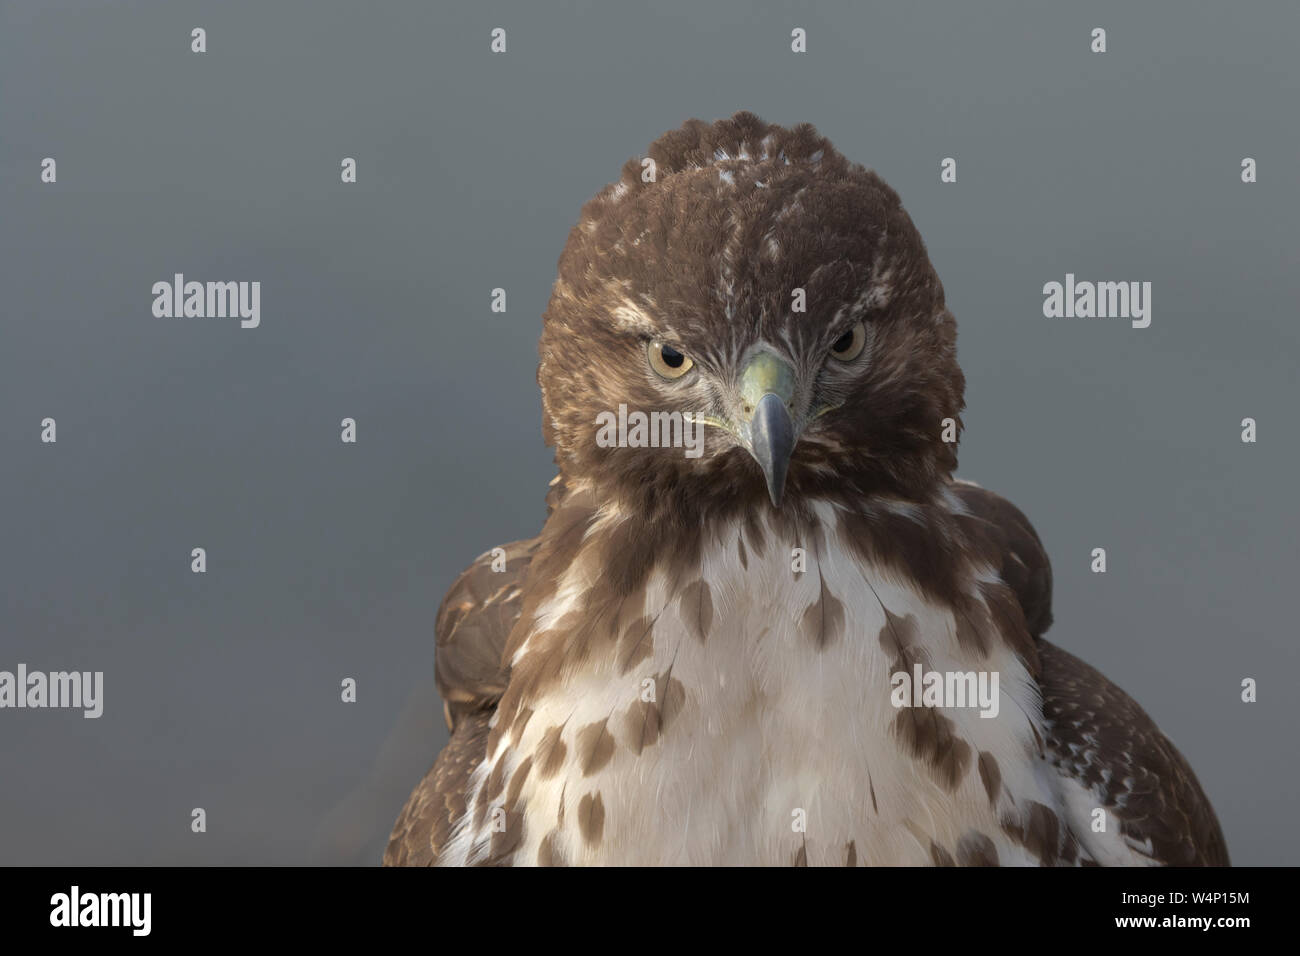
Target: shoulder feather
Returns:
[473, 623]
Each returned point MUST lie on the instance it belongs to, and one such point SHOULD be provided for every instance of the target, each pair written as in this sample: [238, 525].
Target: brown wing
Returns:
[1005, 530]
[472, 626]
[471, 630]
[1099, 736]
[425, 823]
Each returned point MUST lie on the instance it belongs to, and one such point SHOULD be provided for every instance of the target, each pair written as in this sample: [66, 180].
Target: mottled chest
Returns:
[746, 717]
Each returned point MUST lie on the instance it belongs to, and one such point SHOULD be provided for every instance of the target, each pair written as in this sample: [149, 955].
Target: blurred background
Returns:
[328, 560]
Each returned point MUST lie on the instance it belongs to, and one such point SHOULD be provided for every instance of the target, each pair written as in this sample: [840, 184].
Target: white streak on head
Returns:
[628, 316]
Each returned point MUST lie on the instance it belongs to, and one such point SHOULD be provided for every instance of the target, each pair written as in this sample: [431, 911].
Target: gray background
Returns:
[328, 560]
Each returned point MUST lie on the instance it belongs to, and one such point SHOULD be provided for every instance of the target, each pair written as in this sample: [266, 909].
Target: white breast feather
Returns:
[772, 727]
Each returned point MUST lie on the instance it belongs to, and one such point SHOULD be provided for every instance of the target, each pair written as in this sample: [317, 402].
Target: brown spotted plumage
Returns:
[692, 662]
[1099, 736]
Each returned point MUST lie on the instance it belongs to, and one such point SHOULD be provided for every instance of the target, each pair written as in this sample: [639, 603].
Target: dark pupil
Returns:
[672, 358]
[843, 342]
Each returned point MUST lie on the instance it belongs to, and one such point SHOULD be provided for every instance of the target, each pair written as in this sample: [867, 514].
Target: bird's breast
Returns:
[751, 717]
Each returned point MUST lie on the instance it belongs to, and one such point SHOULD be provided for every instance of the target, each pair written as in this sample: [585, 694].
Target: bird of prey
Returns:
[695, 661]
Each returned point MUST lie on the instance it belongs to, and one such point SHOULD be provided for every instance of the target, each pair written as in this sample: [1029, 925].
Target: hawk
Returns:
[693, 663]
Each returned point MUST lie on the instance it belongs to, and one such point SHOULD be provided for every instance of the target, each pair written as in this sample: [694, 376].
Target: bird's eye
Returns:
[667, 361]
[849, 345]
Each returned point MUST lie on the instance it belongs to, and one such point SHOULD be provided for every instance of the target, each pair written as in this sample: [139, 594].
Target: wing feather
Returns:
[1098, 736]
[471, 630]
[1004, 529]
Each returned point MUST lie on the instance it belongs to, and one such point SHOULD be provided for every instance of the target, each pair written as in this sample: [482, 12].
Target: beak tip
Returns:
[772, 442]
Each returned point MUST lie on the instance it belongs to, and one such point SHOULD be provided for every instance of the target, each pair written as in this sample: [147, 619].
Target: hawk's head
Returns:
[750, 275]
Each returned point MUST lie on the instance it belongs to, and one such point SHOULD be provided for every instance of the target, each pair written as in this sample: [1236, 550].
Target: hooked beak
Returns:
[767, 389]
